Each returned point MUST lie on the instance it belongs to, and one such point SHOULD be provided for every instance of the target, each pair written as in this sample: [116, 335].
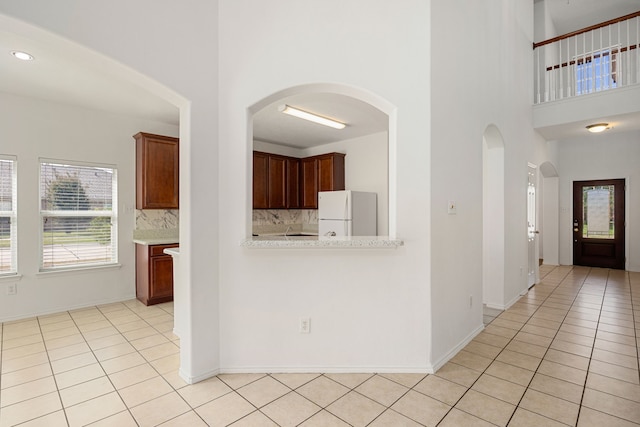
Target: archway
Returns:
[368, 107]
[493, 250]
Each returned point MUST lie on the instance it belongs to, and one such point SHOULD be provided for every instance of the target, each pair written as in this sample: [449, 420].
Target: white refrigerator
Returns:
[347, 213]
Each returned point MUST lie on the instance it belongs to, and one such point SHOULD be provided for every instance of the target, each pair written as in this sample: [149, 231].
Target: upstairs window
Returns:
[78, 209]
[596, 72]
[8, 216]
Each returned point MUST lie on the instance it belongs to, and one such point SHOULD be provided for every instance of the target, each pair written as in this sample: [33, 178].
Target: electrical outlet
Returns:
[305, 325]
[470, 301]
[12, 289]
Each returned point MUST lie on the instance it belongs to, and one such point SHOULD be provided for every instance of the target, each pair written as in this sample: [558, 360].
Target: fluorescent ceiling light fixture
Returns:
[598, 127]
[22, 55]
[311, 117]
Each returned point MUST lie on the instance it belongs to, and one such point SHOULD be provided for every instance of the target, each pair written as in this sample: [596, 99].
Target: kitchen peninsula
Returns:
[322, 242]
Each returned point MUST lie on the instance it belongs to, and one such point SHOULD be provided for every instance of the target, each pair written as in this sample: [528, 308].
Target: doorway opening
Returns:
[598, 223]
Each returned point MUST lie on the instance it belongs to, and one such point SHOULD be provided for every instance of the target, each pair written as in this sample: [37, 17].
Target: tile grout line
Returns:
[102, 368]
[577, 294]
[506, 345]
[593, 348]
[55, 381]
[604, 294]
[527, 387]
[146, 362]
[1, 358]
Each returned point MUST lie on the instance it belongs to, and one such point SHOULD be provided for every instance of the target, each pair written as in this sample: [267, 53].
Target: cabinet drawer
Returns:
[155, 250]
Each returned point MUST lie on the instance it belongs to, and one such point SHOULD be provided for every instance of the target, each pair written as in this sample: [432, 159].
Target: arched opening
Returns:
[493, 250]
[368, 142]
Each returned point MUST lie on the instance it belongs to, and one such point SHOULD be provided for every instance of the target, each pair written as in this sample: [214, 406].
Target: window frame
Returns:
[48, 213]
[596, 71]
[13, 217]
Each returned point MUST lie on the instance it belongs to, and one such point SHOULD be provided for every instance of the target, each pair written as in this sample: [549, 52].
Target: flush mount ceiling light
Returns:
[598, 127]
[22, 55]
[286, 109]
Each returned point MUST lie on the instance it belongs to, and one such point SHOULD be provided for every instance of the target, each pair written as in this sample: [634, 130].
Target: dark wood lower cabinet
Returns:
[154, 274]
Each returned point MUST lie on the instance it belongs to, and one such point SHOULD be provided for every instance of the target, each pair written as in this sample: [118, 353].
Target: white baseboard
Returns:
[326, 370]
[444, 359]
[63, 308]
[196, 379]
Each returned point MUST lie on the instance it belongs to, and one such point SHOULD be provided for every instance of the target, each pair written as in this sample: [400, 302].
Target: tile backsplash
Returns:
[283, 220]
[285, 216]
[156, 219]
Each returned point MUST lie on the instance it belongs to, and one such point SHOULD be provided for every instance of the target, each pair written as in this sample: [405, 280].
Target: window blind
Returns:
[79, 221]
[8, 217]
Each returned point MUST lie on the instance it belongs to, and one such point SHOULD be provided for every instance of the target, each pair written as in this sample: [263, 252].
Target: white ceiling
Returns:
[271, 125]
[572, 15]
[60, 74]
[65, 73]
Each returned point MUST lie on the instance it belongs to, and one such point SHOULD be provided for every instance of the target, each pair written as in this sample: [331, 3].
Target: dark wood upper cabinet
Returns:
[260, 180]
[281, 182]
[309, 182]
[321, 173]
[293, 182]
[277, 182]
[331, 172]
[157, 171]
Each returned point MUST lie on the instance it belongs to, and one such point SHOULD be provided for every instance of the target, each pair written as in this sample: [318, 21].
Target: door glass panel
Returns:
[598, 202]
[531, 205]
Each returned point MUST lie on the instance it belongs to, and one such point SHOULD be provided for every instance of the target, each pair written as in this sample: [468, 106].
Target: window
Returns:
[79, 216]
[596, 72]
[8, 217]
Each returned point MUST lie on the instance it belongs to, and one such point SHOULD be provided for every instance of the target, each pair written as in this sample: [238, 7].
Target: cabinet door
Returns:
[331, 172]
[157, 172]
[260, 180]
[309, 180]
[277, 192]
[293, 183]
[161, 281]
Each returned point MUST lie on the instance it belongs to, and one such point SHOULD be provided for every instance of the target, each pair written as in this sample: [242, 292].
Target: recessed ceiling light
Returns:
[286, 109]
[22, 55]
[598, 127]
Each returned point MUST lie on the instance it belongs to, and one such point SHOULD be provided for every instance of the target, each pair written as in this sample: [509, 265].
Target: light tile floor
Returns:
[565, 354]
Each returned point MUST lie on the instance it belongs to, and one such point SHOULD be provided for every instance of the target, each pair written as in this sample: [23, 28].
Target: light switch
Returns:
[451, 207]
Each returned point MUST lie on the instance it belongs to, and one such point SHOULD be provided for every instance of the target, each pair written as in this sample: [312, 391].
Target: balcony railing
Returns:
[597, 58]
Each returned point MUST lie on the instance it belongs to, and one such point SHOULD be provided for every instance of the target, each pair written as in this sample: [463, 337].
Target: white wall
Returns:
[366, 169]
[373, 310]
[369, 309]
[481, 75]
[30, 129]
[600, 156]
[172, 50]
[268, 147]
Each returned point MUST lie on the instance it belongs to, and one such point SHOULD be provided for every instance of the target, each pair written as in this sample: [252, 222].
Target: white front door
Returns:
[532, 232]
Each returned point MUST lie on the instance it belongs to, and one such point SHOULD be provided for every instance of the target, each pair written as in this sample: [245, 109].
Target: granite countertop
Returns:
[157, 241]
[174, 252]
[275, 242]
[167, 236]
